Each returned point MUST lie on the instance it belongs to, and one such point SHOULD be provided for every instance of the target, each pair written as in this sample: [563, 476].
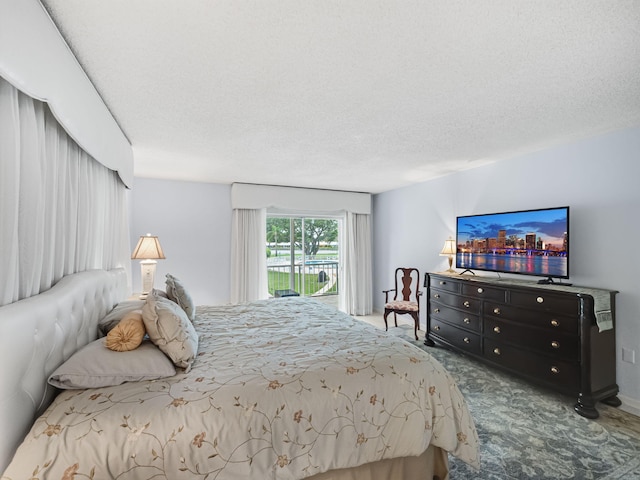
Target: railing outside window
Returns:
[320, 277]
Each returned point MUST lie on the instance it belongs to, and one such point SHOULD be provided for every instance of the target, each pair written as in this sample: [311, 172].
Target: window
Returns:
[303, 256]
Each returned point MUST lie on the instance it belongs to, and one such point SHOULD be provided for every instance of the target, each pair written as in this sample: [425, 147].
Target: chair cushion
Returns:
[402, 305]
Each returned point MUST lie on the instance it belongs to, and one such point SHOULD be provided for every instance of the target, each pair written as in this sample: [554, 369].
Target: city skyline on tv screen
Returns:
[550, 225]
[533, 242]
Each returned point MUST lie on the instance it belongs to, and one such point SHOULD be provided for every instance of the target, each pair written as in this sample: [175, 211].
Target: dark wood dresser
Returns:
[548, 334]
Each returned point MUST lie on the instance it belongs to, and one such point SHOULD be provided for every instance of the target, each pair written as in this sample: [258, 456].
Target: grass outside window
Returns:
[280, 281]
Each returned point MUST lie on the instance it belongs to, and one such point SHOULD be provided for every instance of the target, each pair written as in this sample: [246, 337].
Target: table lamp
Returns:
[148, 251]
[449, 250]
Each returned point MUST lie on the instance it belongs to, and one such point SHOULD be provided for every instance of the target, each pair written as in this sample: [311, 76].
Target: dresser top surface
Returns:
[512, 282]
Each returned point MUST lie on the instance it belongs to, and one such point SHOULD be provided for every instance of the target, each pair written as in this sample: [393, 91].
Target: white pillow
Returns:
[95, 366]
[177, 292]
[106, 324]
[171, 330]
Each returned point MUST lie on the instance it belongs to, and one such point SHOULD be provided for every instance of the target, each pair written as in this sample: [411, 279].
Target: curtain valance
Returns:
[249, 196]
[35, 59]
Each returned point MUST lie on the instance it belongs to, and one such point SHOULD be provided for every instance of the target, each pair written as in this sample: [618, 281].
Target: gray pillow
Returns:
[117, 313]
[95, 366]
[178, 293]
[171, 330]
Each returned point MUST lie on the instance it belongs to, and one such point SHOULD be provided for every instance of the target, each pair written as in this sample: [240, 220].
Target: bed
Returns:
[286, 388]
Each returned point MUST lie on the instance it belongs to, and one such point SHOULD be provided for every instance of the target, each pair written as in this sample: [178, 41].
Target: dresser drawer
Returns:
[480, 291]
[556, 344]
[464, 340]
[457, 317]
[467, 304]
[564, 376]
[445, 284]
[542, 301]
[534, 318]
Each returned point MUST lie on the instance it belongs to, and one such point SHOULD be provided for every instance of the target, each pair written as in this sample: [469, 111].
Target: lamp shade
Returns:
[449, 248]
[148, 248]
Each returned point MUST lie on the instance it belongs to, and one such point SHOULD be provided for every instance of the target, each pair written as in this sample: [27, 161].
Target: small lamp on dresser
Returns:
[449, 250]
[148, 251]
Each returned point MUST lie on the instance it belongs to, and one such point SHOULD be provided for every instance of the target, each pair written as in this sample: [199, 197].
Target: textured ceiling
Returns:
[362, 95]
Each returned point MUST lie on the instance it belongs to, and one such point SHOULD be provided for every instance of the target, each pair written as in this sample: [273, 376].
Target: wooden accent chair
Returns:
[407, 283]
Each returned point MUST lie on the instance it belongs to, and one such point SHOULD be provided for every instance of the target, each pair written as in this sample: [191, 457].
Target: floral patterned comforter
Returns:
[283, 389]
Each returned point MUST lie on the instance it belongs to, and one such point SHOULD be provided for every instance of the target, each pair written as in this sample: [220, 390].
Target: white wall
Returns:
[598, 178]
[193, 223]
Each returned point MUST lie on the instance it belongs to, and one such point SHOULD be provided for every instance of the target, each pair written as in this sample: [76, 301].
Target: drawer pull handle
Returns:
[436, 310]
[496, 311]
[467, 320]
[555, 344]
[496, 351]
[539, 299]
[437, 295]
[466, 304]
[436, 328]
[555, 323]
[442, 283]
[496, 329]
[466, 340]
[480, 290]
[555, 370]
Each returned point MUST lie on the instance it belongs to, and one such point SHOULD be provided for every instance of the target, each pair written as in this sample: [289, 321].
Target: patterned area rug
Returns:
[531, 433]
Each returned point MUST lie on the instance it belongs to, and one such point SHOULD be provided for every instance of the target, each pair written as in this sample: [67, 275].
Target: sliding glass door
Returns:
[303, 256]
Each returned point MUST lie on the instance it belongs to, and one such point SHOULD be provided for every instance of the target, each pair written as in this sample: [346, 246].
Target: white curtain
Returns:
[248, 255]
[61, 212]
[357, 282]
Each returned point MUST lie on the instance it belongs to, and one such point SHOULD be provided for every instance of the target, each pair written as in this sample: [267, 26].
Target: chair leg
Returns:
[386, 327]
[395, 318]
[416, 320]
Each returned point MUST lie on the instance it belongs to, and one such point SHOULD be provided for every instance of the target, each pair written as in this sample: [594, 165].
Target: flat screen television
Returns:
[528, 242]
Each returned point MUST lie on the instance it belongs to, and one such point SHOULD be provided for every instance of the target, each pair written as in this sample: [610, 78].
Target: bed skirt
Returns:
[432, 464]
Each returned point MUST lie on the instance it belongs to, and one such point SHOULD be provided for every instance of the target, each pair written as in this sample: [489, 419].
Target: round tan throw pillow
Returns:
[128, 334]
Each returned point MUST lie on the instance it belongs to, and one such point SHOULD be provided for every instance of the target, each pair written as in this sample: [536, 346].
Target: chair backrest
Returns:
[407, 284]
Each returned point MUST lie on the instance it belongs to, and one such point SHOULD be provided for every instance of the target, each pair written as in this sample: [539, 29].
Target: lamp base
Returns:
[147, 273]
[451, 270]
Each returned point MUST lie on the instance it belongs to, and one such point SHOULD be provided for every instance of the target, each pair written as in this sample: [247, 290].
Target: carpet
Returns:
[527, 432]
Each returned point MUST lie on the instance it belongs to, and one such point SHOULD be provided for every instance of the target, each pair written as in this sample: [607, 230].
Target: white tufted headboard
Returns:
[38, 334]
